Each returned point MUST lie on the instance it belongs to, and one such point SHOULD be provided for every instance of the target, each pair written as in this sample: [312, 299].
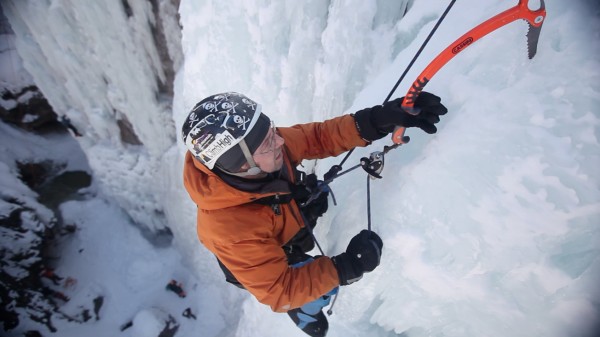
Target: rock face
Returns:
[26, 231]
[30, 110]
[106, 71]
[22, 240]
[31, 225]
[105, 74]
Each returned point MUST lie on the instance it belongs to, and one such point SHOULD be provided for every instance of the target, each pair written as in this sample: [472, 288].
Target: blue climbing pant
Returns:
[309, 317]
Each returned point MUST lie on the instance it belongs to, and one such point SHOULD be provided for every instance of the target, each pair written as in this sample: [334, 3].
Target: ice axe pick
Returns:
[535, 20]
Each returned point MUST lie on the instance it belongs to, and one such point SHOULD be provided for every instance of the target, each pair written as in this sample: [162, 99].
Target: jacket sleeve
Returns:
[247, 239]
[261, 267]
[321, 140]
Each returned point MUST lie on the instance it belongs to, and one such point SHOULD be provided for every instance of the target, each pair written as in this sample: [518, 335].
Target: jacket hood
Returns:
[211, 192]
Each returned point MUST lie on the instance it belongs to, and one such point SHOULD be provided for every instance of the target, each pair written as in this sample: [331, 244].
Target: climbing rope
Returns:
[373, 165]
[336, 170]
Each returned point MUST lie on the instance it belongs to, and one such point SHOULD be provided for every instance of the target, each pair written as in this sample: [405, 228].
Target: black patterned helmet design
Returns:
[217, 124]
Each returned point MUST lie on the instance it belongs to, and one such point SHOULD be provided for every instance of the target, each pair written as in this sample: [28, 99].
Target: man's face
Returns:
[269, 155]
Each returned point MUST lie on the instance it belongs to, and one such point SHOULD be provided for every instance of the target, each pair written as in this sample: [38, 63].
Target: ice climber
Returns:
[256, 210]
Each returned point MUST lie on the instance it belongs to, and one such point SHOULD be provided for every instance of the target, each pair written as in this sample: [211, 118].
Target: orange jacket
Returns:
[248, 237]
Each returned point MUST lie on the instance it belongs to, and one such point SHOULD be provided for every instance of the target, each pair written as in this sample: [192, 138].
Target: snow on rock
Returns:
[153, 322]
[21, 102]
[13, 77]
[109, 67]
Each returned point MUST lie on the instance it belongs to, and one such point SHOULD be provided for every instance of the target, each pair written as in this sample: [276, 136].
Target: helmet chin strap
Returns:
[254, 169]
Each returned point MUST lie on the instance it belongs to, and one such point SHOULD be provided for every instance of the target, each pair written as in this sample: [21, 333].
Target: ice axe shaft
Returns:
[535, 19]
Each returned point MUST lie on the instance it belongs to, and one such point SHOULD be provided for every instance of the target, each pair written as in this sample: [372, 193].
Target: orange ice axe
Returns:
[535, 19]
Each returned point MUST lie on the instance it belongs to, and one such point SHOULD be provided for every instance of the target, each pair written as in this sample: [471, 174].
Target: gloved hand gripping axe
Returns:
[535, 20]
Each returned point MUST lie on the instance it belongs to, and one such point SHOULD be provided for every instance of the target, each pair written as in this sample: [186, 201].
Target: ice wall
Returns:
[109, 66]
[307, 58]
[490, 226]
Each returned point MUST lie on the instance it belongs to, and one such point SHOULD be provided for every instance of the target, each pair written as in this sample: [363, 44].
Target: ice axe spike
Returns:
[535, 19]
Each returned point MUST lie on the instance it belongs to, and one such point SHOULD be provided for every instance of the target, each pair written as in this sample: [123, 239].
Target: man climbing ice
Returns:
[257, 211]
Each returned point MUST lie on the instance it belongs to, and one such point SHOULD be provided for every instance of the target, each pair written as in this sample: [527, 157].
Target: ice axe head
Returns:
[535, 19]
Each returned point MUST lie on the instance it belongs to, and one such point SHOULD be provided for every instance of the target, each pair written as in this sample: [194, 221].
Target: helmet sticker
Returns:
[222, 142]
[208, 120]
[239, 121]
[249, 103]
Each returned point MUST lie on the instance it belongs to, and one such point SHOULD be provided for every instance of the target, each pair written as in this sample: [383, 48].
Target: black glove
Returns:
[362, 255]
[376, 122]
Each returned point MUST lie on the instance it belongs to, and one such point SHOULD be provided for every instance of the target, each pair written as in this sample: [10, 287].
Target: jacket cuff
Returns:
[364, 125]
[347, 274]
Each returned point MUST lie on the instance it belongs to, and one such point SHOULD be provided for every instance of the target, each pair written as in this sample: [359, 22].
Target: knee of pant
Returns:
[315, 306]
